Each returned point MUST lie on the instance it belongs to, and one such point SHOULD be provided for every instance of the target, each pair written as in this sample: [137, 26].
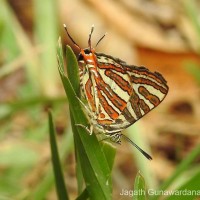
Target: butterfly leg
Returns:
[88, 129]
[86, 108]
[90, 114]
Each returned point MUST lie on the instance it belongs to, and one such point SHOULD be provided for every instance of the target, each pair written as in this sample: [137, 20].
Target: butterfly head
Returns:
[86, 55]
[88, 50]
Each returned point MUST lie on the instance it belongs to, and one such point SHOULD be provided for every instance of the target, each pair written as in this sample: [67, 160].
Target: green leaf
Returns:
[94, 166]
[60, 184]
[139, 188]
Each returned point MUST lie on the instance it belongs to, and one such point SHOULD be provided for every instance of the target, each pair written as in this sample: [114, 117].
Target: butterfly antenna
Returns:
[89, 40]
[137, 147]
[101, 39]
[70, 36]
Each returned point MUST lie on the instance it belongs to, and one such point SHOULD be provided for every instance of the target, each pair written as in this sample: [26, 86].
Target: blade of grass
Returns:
[139, 188]
[7, 109]
[72, 63]
[180, 169]
[72, 70]
[46, 34]
[8, 44]
[134, 133]
[23, 44]
[83, 196]
[191, 8]
[59, 179]
[40, 192]
[94, 165]
[188, 191]
[109, 151]
[79, 174]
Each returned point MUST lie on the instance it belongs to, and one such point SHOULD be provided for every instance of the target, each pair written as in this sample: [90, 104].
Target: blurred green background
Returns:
[162, 35]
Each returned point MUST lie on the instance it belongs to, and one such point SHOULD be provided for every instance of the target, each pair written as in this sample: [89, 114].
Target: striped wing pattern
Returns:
[119, 94]
[116, 94]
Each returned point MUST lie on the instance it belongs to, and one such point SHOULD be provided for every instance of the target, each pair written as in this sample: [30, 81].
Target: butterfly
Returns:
[116, 94]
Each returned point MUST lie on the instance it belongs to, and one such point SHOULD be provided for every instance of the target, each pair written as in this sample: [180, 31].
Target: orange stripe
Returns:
[134, 100]
[148, 82]
[152, 98]
[145, 72]
[104, 122]
[89, 95]
[110, 66]
[123, 84]
[144, 106]
[109, 110]
[112, 96]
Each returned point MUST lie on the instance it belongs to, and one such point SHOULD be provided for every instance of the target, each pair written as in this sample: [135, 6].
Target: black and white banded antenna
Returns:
[137, 147]
[90, 36]
[100, 39]
[145, 154]
[71, 37]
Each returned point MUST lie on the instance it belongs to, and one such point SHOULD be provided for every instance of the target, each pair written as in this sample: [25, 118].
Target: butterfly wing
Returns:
[148, 91]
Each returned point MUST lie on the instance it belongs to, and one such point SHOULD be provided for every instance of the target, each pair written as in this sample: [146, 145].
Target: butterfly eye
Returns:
[87, 51]
[80, 57]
